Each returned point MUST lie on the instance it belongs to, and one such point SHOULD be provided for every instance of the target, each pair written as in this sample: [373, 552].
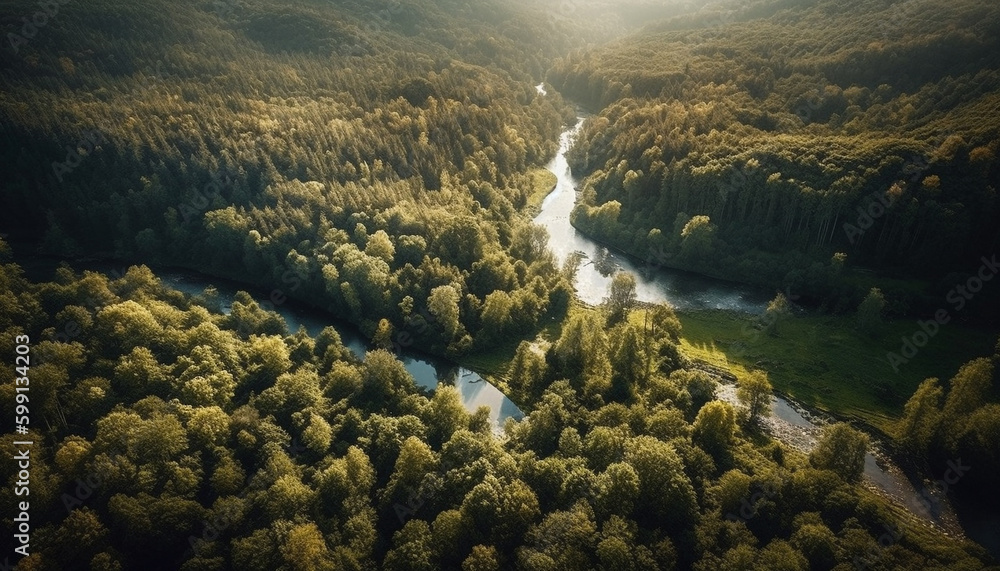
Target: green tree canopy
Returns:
[621, 297]
[754, 392]
[841, 449]
[870, 311]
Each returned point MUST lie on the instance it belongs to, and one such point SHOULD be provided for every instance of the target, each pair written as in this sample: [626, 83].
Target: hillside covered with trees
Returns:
[375, 154]
[379, 161]
[773, 141]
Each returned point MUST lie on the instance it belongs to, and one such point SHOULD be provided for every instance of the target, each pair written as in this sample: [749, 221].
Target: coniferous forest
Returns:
[867, 129]
[260, 258]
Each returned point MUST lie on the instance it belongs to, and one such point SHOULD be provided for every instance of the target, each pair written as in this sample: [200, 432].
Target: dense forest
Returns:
[370, 153]
[379, 162]
[775, 142]
[173, 436]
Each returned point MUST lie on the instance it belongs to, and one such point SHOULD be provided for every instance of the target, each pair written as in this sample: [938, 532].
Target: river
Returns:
[427, 371]
[654, 284]
[790, 423]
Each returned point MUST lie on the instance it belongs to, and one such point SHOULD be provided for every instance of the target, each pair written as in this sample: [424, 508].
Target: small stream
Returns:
[800, 430]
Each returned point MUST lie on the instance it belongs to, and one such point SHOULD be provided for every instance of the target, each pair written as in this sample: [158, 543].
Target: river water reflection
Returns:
[426, 370]
[683, 290]
[654, 284]
[793, 425]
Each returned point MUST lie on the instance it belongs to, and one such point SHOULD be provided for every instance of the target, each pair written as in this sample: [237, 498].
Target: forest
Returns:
[779, 135]
[380, 164]
[178, 437]
[375, 167]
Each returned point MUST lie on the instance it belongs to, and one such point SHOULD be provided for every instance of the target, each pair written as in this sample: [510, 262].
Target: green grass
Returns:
[493, 363]
[543, 182]
[824, 362]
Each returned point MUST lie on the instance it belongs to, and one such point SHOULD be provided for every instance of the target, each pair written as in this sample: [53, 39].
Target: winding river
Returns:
[653, 284]
[426, 370]
[792, 424]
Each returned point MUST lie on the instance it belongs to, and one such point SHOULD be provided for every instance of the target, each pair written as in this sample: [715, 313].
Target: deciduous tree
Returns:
[754, 393]
[621, 297]
[841, 449]
[870, 311]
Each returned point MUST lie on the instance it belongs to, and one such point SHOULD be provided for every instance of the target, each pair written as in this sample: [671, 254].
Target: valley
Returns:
[501, 284]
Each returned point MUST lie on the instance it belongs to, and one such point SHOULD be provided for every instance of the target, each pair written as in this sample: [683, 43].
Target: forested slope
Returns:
[764, 129]
[371, 158]
[376, 151]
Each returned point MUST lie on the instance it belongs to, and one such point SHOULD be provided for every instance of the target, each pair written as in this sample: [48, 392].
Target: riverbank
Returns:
[543, 183]
[820, 359]
[824, 362]
[908, 489]
[800, 429]
[821, 366]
